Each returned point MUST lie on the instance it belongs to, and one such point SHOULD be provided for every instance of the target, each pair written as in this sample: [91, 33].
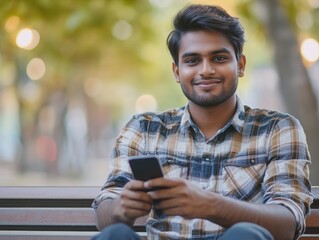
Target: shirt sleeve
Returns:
[286, 180]
[129, 143]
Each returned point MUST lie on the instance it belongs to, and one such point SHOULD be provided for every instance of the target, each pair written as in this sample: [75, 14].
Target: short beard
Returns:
[211, 100]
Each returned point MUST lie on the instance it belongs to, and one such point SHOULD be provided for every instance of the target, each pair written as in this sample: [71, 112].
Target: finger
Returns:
[140, 196]
[135, 185]
[160, 194]
[176, 211]
[167, 203]
[161, 183]
[136, 205]
[165, 193]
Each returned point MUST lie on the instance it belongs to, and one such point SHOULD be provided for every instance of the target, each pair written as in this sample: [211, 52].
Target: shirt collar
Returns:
[186, 121]
[237, 121]
[239, 117]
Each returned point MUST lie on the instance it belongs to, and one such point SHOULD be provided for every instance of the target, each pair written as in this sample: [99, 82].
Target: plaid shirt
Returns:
[259, 156]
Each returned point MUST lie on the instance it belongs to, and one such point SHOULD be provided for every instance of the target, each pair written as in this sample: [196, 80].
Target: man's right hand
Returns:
[134, 201]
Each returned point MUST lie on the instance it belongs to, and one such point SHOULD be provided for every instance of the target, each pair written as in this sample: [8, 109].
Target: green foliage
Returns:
[77, 42]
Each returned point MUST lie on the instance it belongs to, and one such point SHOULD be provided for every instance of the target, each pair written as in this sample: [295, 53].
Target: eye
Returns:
[219, 59]
[192, 61]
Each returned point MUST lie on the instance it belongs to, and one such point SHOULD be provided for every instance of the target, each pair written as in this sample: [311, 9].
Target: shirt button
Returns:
[207, 159]
[252, 161]
[170, 160]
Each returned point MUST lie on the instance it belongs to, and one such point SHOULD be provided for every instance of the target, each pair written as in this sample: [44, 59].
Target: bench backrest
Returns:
[312, 220]
[69, 209]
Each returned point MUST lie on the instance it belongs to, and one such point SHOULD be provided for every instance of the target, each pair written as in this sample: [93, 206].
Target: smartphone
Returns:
[145, 167]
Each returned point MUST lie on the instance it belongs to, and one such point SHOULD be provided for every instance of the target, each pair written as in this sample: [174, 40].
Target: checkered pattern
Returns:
[259, 156]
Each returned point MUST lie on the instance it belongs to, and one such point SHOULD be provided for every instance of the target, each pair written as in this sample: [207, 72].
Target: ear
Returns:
[175, 71]
[241, 65]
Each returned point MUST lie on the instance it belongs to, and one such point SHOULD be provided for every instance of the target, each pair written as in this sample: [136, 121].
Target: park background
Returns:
[73, 72]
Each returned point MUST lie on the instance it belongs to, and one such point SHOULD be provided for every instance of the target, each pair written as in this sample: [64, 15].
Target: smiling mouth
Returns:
[207, 82]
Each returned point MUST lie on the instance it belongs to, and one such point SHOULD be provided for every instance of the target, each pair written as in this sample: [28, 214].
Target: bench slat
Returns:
[39, 192]
[52, 235]
[43, 202]
[45, 216]
[315, 192]
[12, 197]
[313, 219]
[47, 235]
[67, 210]
[40, 219]
[57, 219]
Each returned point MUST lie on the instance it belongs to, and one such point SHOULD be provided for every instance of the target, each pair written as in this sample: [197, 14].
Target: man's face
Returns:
[207, 68]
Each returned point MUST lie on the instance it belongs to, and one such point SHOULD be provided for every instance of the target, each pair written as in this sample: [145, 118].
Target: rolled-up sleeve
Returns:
[128, 143]
[286, 180]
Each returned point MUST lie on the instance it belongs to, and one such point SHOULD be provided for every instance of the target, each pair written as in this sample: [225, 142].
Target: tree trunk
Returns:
[294, 81]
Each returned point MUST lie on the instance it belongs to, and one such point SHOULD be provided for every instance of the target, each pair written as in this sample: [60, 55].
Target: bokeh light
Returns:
[122, 30]
[146, 103]
[36, 68]
[310, 50]
[27, 38]
[12, 23]
[304, 20]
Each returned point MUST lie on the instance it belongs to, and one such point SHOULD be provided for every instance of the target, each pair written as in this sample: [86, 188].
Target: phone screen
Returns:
[145, 167]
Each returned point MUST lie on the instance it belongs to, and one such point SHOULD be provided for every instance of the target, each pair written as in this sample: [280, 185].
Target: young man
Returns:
[231, 172]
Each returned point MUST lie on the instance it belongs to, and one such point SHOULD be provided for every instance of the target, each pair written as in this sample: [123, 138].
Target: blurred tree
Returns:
[96, 51]
[278, 19]
[92, 52]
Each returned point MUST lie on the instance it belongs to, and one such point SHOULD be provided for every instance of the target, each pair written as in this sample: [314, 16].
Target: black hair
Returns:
[196, 17]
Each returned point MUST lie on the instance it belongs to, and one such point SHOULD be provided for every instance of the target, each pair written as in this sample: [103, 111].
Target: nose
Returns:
[207, 68]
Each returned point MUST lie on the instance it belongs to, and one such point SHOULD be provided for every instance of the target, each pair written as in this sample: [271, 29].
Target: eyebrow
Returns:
[218, 51]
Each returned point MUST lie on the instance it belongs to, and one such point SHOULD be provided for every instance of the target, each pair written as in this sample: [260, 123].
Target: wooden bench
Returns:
[65, 213]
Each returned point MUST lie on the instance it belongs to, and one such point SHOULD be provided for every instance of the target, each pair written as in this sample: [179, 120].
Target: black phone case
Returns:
[145, 167]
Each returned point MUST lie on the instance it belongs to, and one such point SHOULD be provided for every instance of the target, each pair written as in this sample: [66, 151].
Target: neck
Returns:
[212, 118]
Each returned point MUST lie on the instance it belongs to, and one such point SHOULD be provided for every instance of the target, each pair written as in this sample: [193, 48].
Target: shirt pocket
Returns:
[243, 176]
[173, 167]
